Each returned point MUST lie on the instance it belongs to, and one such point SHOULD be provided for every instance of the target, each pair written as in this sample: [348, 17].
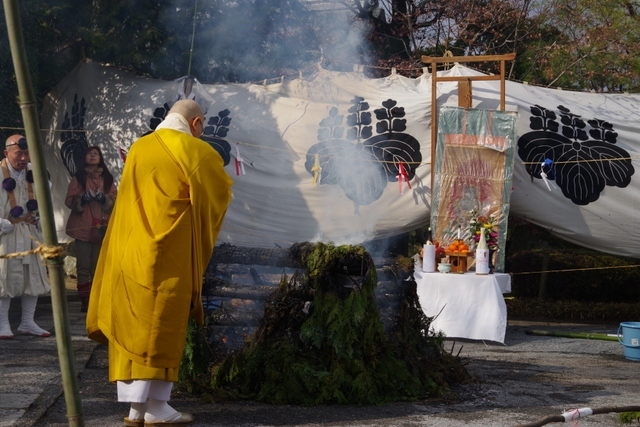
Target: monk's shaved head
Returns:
[188, 109]
[13, 139]
[192, 112]
[16, 151]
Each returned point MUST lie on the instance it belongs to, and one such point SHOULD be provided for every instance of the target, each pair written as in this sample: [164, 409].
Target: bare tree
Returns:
[596, 47]
[576, 44]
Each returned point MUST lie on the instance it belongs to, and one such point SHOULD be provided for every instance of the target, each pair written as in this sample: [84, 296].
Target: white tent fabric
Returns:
[363, 134]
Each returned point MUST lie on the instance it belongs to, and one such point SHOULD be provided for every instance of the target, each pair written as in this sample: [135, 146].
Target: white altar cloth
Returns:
[465, 305]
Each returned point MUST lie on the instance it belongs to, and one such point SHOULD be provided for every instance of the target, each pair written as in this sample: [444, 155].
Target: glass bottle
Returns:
[429, 255]
[482, 254]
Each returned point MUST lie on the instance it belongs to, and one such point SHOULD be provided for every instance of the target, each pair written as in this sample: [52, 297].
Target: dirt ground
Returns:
[526, 379]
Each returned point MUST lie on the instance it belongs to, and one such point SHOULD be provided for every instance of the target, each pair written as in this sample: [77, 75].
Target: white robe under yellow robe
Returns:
[172, 199]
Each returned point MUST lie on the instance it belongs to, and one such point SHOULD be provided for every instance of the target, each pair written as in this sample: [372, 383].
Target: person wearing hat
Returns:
[25, 276]
[172, 198]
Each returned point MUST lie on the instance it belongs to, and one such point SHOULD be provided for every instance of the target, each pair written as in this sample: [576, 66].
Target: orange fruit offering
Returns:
[458, 245]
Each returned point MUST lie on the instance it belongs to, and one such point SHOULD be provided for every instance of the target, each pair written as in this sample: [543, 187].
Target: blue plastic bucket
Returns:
[629, 337]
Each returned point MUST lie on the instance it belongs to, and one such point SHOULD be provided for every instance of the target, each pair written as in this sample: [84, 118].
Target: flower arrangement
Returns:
[489, 223]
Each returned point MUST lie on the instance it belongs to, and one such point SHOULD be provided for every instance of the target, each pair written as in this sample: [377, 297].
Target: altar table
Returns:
[465, 305]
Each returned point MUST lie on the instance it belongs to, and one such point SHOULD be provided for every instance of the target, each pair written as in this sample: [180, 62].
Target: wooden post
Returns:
[434, 121]
[467, 79]
[464, 94]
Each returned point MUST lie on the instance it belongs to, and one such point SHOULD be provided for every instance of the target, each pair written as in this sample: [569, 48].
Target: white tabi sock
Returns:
[5, 326]
[28, 325]
[159, 410]
[137, 410]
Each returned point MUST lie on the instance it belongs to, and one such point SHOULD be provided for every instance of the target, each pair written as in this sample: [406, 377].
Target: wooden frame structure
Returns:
[464, 86]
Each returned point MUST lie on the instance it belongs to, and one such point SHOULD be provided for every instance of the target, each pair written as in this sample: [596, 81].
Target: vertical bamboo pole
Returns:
[56, 273]
[193, 35]
[434, 123]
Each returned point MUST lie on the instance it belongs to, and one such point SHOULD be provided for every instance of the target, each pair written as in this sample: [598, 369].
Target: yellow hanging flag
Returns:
[317, 170]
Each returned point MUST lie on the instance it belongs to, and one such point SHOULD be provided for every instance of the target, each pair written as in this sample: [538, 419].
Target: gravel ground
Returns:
[528, 378]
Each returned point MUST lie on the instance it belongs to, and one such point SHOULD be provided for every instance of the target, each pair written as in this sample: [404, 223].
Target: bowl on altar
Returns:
[444, 267]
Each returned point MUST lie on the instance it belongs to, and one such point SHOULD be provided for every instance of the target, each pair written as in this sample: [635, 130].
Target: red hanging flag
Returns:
[402, 176]
[239, 161]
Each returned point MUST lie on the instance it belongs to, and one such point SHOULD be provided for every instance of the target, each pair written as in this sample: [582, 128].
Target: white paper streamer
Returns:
[122, 156]
[574, 414]
[239, 162]
[545, 178]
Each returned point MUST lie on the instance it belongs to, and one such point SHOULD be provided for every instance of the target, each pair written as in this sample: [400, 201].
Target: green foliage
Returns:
[422, 353]
[138, 35]
[629, 417]
[154, 38]
[586, 44]
[51, 43]
[195, 360]
[321, 341]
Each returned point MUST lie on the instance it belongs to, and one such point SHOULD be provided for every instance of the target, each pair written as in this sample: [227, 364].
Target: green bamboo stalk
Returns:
[582, 335]
[54, 262]
[193, 35]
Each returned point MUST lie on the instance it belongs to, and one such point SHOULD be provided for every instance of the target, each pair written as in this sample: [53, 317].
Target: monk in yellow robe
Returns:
[172, 199]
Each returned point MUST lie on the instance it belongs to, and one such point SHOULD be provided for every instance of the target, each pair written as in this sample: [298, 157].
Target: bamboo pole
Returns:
[434, 124]
[28, 107]
[193, 35]
[583, 335]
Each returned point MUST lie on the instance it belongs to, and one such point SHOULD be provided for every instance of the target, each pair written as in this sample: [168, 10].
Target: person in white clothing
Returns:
[24, 277]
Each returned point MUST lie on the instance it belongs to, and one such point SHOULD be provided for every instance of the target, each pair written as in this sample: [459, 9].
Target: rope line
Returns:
[49, 252]
[574, 269]
[237, 230]
[302, 153]
[242, 231]
[45, 252]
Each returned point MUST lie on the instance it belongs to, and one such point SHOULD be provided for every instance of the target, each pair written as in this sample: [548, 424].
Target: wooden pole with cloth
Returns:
[465, 82]
[50, 249]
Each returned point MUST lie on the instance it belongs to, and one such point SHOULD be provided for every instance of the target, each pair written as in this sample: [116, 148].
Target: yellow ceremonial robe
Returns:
[171, 201]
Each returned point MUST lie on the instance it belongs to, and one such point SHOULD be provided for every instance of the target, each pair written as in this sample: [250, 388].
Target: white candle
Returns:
[459, 237]
[429, 258]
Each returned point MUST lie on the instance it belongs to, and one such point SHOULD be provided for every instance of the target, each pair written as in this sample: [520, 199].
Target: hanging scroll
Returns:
[473, 173]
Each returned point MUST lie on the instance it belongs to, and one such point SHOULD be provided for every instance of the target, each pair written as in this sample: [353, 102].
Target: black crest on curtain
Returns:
[580, 156]
[361, 163]
[215, 129]
[73, 136]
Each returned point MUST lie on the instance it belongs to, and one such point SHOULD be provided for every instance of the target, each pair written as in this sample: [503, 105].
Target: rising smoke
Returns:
[247, 40]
